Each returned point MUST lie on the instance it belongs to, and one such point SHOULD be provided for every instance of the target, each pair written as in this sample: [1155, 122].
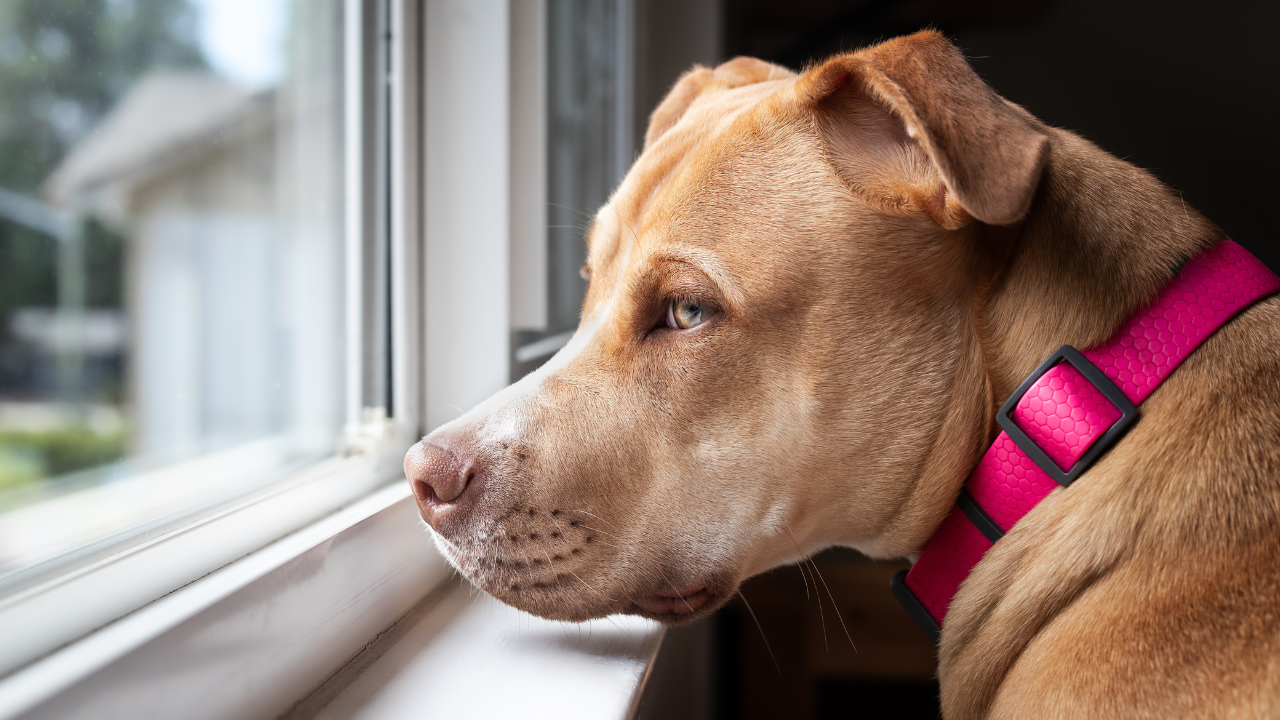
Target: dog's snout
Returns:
[437, 473]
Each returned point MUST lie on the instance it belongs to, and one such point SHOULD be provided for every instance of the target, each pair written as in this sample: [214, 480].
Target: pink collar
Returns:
[1069, 411]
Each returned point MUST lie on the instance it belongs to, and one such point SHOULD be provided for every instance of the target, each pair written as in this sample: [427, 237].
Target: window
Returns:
[195, 292]
[608, 64]
[172, 232]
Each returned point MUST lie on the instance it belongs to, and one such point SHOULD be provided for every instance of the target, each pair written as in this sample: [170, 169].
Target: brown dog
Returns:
[807, 300]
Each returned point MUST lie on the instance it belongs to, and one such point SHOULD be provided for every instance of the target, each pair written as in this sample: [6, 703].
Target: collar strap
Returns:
[1070, 411]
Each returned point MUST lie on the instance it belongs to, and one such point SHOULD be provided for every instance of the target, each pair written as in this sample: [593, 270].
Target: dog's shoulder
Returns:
[1154, 577]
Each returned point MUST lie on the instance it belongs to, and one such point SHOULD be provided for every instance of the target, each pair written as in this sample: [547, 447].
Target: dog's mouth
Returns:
[684, 601]
[553, 563]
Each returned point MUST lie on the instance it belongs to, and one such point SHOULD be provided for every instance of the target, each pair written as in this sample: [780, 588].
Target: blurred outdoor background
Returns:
[170, 238]
[62, 388]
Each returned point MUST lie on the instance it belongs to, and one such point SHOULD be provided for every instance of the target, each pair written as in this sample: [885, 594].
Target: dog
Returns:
[808, 300]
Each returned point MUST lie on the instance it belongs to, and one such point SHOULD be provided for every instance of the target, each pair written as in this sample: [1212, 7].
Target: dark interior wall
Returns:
[670, 37]
[1187, 90]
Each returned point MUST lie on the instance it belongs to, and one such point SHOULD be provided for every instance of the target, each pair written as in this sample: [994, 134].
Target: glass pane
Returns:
[170, 258]
[589, 144]
[589, 148]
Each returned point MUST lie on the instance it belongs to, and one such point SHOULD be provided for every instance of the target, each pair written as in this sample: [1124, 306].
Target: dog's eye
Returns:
[687, 314]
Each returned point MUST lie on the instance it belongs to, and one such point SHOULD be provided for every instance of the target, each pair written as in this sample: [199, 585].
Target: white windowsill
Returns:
[463, 654]
[250, 639]
[346, 617]
[37, 619]
[50, 535]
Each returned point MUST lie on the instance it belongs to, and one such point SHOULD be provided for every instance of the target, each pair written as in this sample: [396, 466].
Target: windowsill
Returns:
[460, 653]
[49, 536]
[58, 608]
[351, 615]
[249, 639]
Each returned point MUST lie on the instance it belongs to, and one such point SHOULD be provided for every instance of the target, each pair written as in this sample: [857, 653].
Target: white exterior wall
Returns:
[235, 290]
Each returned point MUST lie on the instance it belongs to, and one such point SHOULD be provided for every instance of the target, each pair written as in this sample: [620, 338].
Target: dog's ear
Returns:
[734, 73]
[987, 154]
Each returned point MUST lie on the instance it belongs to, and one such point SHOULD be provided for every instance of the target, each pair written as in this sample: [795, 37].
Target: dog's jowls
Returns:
[807, 299]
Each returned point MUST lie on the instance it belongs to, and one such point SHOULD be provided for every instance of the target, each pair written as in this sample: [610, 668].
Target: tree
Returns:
[63, 65]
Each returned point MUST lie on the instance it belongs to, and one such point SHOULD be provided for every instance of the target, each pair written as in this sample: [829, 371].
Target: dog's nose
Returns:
[437, 473]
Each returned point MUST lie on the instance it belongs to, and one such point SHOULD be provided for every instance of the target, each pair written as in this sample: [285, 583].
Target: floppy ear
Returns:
[988, 154]
[734, 73]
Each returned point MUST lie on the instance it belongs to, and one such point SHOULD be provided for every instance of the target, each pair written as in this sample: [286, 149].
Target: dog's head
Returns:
[772, 356]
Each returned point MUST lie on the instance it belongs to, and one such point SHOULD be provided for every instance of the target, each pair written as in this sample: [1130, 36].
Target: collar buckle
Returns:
[1104, 385]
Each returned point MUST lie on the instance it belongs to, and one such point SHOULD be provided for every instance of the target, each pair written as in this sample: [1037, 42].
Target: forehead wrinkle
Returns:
[651, 193]
[610, 234]
[695, 173]
[604, 239]
[706, 129]
[608, 253]
[706, 263]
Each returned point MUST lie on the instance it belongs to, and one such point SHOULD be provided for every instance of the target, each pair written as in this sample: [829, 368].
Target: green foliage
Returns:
[19, 466]
[28, 268]
[63, 65]
[104, 265]
[28, 456]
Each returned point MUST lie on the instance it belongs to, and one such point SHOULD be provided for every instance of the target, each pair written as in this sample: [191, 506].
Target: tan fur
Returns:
[891, 248]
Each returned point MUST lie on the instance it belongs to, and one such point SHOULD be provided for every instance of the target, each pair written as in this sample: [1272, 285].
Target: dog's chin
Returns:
[535, 586]
[563, 594]
[678, 609]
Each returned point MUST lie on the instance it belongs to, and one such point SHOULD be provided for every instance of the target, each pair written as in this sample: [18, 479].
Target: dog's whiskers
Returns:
[762, 636]
[527, 563]
[800, 558]
[656, 566]
[603, 532]
[572, 209]
[584, 512]
[592, 589]
[826, 643]
[584, 582]
[616, 547]
[814, 568]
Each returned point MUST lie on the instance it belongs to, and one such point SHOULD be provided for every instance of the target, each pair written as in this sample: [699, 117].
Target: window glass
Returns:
[587, 154]
[590, 146]
[170, 258]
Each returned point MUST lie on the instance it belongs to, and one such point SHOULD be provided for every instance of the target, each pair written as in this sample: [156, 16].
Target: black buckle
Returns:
[979, 517]
[1128, 414]
[913, 607]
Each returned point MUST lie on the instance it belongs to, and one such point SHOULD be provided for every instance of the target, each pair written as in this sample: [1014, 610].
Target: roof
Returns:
[165, 111]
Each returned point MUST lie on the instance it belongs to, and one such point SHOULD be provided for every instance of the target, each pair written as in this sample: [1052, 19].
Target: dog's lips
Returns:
[681, 602]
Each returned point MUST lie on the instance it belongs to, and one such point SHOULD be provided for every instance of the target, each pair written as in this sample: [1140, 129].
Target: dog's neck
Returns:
[1101, 239]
